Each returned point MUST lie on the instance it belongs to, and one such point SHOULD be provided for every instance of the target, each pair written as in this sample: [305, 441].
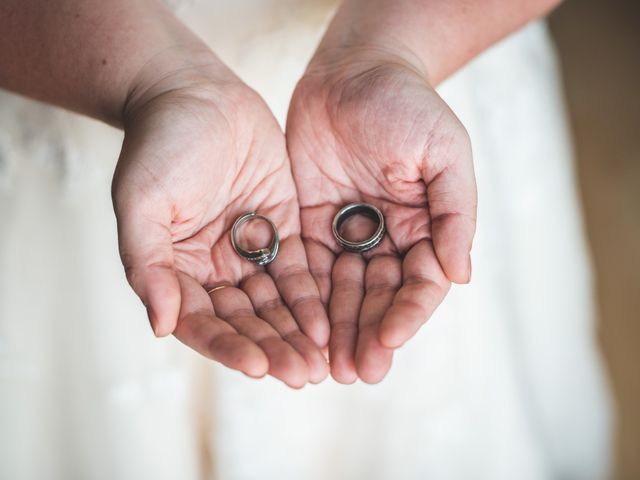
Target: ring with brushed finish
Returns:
[362, 209]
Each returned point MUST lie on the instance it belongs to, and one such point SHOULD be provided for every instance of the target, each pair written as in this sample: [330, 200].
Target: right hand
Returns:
[198, 153]
[367, 127]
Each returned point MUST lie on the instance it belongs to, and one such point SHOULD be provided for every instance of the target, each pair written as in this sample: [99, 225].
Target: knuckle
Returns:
[293, 273]
[269, 306]
[304, 301]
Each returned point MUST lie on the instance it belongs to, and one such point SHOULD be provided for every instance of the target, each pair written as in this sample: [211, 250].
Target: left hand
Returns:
[200, 149]
[369, 128]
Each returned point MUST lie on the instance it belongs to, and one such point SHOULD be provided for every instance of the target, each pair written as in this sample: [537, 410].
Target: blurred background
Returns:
[598, 42]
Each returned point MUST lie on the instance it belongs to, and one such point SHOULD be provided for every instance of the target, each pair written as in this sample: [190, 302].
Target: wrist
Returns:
[365, 35]
[354, 59]
[195, 72]
[435, 37]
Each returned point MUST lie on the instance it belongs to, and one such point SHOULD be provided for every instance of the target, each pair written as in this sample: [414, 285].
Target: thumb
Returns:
[452, 197]
[146, 251]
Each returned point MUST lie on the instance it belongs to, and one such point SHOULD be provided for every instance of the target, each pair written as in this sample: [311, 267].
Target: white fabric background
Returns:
[504, 381]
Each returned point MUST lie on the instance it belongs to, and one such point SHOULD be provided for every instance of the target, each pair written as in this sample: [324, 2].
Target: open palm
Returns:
[193, 160]
[378, 133]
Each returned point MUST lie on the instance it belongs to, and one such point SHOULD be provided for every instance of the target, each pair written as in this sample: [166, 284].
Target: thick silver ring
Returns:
[262, 256]
[364, 209]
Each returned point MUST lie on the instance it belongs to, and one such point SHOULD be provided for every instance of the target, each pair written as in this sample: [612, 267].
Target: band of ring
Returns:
[215, 289]
[364, 209]
[262, 256]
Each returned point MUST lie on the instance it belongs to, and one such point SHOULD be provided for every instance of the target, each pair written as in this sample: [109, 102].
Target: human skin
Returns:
[365, 124]
[200, 148]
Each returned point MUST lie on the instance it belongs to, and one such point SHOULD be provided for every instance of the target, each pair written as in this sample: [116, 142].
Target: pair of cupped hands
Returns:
[202, 148]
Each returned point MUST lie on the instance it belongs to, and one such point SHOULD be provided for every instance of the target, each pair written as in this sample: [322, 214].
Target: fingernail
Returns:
[152, 324]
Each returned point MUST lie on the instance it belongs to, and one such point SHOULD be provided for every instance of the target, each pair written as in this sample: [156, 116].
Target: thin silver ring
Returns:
[262, 256]
[364, 209]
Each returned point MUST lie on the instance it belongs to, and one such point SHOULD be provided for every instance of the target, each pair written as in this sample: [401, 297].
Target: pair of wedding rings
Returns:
[264, 256]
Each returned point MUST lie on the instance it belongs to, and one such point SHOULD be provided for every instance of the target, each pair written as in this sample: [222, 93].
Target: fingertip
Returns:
[454, 265]
[390, 336]
[163, 301]
[158, 329]
[320, 333]
[371, 375]
[373, 363]
[325, 352]
[295, 380]
[318, 368]
[160, 326]
[318, 373]
[251, 359]
[452, 241]
[239, 353]
[285, 363]
[461, 273]
[295, 386]
[342, 350]
[344, 374]
[257, 368]
[314, 323]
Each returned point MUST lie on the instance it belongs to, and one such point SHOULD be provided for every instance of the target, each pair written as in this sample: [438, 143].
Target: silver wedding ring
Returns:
[363, 209]
[261, 256]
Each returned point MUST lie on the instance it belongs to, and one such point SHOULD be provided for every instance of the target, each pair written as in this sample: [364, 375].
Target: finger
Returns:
[451, 192]
[285, 363]
[270, 307]
[382, 280]
[424, 286]
[321, 261]
[147, 255]
[344, 308]
[199, 328]
[290, 271]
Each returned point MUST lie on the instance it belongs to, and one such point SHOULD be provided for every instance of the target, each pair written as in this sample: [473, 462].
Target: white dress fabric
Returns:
[503, 382]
